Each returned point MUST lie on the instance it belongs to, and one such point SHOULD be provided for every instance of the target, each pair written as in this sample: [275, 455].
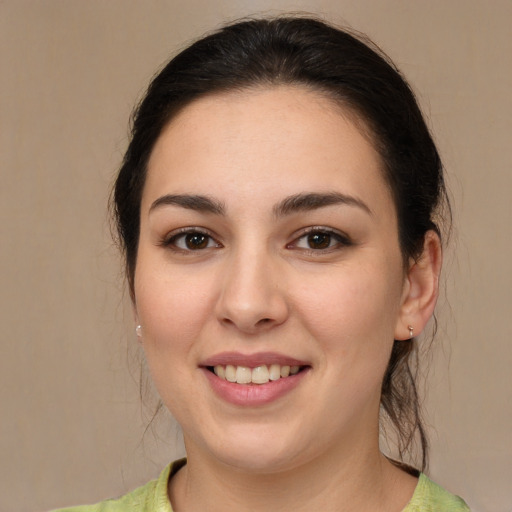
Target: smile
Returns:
[258, 375]
[253, 380]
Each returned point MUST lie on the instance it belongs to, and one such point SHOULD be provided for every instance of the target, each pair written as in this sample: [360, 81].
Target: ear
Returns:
[421, 289]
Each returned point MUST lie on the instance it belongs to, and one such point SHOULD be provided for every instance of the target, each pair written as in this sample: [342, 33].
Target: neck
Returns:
[360, 479]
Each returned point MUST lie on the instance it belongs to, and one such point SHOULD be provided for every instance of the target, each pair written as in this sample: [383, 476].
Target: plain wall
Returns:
[72, 424]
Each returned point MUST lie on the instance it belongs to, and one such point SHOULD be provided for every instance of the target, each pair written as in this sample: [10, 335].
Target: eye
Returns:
[320, 239]
[191, 240]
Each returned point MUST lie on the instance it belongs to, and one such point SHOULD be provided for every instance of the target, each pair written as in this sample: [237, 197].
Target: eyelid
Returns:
[169, 239]
[343, 239]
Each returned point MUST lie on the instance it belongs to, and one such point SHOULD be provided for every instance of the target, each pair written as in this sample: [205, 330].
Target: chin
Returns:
[259, 450]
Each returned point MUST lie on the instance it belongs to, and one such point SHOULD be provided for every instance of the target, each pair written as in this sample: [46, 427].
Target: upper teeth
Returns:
[259, 375]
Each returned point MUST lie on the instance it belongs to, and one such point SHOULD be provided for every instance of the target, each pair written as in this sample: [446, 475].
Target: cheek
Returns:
[352, 318]
[172, 309]
[358, 301]
[353, 312]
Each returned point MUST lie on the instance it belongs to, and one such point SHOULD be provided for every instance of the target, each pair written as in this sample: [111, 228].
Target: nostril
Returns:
[249, 327]
[263, 322]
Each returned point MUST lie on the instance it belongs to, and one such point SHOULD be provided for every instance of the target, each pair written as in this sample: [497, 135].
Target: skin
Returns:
[257, 285]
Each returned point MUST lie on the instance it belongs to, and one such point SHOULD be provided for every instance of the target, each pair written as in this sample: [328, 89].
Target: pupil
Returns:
[319, 240]
[196, 241]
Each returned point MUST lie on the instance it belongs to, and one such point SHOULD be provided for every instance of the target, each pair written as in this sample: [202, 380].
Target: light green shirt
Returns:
[152, 497]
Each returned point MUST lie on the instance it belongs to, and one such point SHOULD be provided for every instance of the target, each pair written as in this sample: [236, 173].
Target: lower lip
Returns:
[251, 395]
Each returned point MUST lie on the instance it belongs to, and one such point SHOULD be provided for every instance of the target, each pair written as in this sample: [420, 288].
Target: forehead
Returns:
[284, 139]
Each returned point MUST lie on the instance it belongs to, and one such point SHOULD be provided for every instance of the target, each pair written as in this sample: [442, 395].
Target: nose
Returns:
[252, 298]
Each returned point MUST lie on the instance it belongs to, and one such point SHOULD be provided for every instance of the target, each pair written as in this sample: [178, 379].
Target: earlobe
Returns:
[138, 327]
[421, 289]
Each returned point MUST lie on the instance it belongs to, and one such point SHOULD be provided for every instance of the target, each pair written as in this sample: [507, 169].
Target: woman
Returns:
[277, 209]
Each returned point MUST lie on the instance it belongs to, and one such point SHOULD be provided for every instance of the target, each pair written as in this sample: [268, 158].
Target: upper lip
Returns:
[252, 360]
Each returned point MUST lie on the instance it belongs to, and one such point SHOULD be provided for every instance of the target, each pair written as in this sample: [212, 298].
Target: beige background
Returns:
[72, 424]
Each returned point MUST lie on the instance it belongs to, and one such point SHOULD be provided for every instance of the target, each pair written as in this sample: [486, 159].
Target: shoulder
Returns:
[151, 497]
[430, 497]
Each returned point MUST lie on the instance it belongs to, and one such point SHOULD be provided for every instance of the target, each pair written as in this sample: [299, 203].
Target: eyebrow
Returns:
[190, 202]
[289, 205]
[313, 201]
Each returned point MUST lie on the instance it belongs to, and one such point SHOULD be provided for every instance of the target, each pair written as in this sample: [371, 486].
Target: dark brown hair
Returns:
[354, 73]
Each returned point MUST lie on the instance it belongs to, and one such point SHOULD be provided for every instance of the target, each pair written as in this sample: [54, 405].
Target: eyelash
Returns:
[339, 239]
[172, 239]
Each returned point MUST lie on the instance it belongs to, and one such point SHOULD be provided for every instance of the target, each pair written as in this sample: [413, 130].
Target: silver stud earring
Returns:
[138, 331]
[411, 331]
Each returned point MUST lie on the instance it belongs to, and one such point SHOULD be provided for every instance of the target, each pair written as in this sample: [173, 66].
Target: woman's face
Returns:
[268, 240]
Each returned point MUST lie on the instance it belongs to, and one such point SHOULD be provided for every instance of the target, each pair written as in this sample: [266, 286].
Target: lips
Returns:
[252, 360]
[258, 375]
[255, 379]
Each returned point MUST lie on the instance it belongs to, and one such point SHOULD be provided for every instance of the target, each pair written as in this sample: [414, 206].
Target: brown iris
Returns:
[319, 240]
[196, 241]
